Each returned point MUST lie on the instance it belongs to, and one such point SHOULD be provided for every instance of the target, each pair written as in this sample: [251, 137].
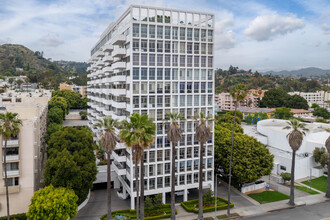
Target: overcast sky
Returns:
[258, 35]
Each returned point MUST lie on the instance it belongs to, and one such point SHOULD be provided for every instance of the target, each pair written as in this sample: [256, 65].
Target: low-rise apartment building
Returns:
[25, 153]
[82, 90]
[225, 102]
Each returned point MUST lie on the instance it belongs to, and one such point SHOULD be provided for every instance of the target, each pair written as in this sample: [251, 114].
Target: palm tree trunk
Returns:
[173, 183]
[328, 181]
[137, 187]
[6, 182]
[109, 186]
[231, 158]
[200, 193]
[291, 201]
[142, 188]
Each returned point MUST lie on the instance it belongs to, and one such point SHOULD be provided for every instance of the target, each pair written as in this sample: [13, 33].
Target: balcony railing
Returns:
[11, 173]
[11, 157]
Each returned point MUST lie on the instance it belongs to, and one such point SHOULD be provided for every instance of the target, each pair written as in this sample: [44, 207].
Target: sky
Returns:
[259, 35]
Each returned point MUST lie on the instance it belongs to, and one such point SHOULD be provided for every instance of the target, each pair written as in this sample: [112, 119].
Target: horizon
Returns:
[258, 35]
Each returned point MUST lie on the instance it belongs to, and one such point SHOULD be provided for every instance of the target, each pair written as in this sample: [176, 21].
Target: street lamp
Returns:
[219, 172]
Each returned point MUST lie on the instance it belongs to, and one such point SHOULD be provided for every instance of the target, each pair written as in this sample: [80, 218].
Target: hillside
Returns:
[18, 60]
[304, 72]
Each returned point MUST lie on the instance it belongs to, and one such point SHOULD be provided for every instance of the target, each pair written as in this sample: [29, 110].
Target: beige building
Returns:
[321, 98]
[25, 152]
[82, 90]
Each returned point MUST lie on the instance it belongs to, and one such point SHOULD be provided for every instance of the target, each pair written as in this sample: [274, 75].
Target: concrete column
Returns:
[185, 195]
[132, 202]
[164, 197]
[124, 192]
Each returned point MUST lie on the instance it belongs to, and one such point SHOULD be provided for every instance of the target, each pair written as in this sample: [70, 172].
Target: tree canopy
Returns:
[251, 159]
[74, 100]
[53, 203]
[275, 98]
[283, 113]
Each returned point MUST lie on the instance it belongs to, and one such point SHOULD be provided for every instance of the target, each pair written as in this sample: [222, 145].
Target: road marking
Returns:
[325, 218]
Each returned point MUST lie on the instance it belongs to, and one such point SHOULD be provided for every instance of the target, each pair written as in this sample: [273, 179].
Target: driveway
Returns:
[97, 206]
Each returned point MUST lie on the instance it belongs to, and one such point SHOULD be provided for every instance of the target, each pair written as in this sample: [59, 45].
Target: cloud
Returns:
[326, 28]
[267, 27]
[224, 35]
[50, 41]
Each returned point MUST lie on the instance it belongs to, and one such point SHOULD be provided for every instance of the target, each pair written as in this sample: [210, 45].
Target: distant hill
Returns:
[304, 72]
[19, 60]
[72, 66]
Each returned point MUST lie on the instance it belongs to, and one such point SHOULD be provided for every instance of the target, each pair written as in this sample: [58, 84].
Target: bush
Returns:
[15, 217]
[190, 206]
[83, 115]
[208, 197]
[286, 176]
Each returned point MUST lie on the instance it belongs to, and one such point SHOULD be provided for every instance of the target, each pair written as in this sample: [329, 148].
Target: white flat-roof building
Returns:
[271, 133]
[321, 98]
[153, 61]
[25, 152]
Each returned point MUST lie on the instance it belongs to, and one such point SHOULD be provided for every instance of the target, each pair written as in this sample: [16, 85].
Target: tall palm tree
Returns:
[9, 126]
[174, 134]
[139, 133]
[327, 145]
[108, 144]
[238, 93]
[203, 134]
[295, 138]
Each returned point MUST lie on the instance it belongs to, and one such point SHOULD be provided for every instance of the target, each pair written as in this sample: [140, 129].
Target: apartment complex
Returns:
[224, 101]
[153, 61]
[24, 152]
[322, 98]
[82, 90]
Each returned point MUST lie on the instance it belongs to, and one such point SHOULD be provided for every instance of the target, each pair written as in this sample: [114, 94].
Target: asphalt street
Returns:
[320, 211]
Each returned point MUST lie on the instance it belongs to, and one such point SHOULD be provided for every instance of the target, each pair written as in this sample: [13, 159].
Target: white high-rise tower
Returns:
[153, 61]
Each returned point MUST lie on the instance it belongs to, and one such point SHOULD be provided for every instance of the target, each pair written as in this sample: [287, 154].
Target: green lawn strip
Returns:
[225, 216]
[319, 183]
[268, 196]
[305, 189]
[191, 205]
[153, 214]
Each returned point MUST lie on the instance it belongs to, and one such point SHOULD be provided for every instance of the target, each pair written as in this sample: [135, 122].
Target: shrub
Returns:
[83, 115]
[190, 206]
[286, 176]
[208, 197]
[15, 217]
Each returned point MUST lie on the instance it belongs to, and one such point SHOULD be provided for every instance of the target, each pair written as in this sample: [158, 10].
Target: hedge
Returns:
[133, 212]
[208, 209]
[21, 216]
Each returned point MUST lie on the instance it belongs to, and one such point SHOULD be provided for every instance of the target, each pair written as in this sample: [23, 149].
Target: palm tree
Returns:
[295, 138]
[108, 143]
[327, 145]
[9, 126]
[238, 93]
[19, 83]
[203, 134]
[174, 134]
[139, 133]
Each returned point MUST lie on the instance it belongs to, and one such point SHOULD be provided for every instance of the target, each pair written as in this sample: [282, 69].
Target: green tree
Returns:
[158, 201]
[139, 133]
[286, 176]
[228, 118]
[79, 143]
[72, 98]
[321, 112]
[55, 115]
[327, 145]
[283, 113]
[83, 115]
[9, 127]
[60, 102]
[174, 134]
[19, 83]
[202, 135]
[208, 197]
[108, 142]
[251, 159]
[314, 105]
[297, 102]
[295, 138]
[238, 93]
[274, 98]
[148, 204]
[52, 128]
[53, 204]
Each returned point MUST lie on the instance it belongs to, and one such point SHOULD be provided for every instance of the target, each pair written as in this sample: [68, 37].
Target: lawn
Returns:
[319, 183]
[305, 189]
[268, 196]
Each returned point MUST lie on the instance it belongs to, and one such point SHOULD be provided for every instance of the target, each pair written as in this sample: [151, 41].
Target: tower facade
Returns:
[153, 61]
